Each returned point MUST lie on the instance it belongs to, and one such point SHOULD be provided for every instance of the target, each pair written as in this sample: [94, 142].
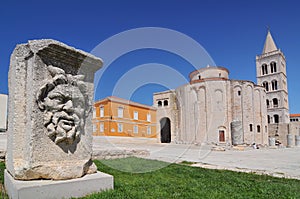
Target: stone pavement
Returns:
[283, 162]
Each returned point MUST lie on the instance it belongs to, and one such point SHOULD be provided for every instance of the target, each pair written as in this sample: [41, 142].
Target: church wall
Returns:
[204, 111]
[170, 111]
[237, 102]
[187, 98]
[248, 106]
[280, 131]
[247, 103]
[217, 114]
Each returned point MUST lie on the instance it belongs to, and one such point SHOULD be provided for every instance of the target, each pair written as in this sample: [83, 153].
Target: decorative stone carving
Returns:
[50, 119]
[64, 102]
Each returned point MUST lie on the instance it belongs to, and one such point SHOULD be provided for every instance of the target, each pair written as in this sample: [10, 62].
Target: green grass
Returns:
[2, 168]
[181, 181]
[2, 191]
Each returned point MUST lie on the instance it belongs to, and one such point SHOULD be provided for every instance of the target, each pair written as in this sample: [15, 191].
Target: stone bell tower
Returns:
[271, 74]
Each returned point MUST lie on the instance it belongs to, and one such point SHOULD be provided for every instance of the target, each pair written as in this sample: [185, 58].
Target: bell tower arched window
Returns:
[264, 69]
[159, 103]
[268, 103]
[266, 85]
[166, 103]
[275, 102]
[274, 85]
[273, 67]
[276, 118]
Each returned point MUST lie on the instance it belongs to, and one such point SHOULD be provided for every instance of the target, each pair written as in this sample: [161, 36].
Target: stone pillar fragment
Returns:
[50, 116]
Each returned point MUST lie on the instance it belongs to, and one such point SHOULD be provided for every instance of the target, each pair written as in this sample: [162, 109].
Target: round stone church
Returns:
[213, 109]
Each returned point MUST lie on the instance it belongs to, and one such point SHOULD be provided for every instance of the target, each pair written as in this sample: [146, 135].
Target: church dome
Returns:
[209, 73]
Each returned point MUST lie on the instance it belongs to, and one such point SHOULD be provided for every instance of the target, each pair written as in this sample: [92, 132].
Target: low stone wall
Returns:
[118, 153]
[107, 154]
[280, 132]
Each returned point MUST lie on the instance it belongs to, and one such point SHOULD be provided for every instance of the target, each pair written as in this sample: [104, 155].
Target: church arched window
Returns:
[264, 69]
[268, 103]
[273, 67]
[266, 85]
[258, 128]
[166, 103]
[159, 103]
[275, 102]
[276, 118]
[274, 85]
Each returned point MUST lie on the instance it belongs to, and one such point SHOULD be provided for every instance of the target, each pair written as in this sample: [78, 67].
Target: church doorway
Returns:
[165, 130]
[221, 136]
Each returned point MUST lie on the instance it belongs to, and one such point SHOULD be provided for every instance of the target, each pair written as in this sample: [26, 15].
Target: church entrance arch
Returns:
[165, 130]
[222, 133]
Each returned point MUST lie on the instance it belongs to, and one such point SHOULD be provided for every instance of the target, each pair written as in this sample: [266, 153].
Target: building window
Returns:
[239, 93]
[276, 118]
[149, 130]
[268, 103]
[135, 129]
[159, 103]
[94, 127]
[266, 129]
[149, 117]
[274, 85]
[275, 103]
[120, 128]
[266, 85]
[258, 129]
[264, 69]
[166, 103]
[120, 112]
[102, 111]
[273, 67]
[101, 127]
[251, 128]
[135, 115]
[269, 119]
[199, 76]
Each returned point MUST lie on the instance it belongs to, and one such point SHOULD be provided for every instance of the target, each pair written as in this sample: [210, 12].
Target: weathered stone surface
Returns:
[113, 154]
[50, 96]
[54, 189]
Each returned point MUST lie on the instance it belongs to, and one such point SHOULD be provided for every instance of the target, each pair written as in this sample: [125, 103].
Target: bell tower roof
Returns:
[269, 44]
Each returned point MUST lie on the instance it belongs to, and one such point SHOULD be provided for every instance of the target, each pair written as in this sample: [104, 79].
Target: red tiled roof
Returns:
[125, 101]
[295, 115]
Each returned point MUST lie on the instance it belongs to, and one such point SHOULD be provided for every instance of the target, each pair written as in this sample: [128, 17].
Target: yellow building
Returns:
[114, 116]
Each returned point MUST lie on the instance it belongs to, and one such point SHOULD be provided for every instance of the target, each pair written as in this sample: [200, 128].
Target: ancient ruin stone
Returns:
[50, 97]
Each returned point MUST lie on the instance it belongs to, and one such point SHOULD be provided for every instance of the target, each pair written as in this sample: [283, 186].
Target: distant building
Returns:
[114, 116]
[271, 74]
[213, 109]
[295, 117]
[3, 112]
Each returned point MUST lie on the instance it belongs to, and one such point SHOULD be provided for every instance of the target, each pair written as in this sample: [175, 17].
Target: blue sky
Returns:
[232, 32]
